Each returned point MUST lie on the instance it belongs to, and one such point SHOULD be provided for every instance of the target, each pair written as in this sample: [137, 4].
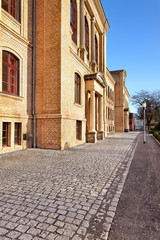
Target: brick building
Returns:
[121, 101]
[55, 89]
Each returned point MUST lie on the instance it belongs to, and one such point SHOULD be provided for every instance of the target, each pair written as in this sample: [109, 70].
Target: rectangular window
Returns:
[5, 134]
[13, 8]
[108, 92]
[78, 130]
[17, 134]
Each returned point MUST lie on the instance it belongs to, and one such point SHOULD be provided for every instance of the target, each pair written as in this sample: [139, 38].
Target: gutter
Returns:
[34, 77]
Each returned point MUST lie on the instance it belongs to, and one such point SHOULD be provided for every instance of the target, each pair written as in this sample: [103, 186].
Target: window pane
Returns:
[5, 134]
[5, 69]
[4, 87]
[5, 56]
[17, 134]
[12, 7]
[78, 130]
[13, 61]
[5, 77]
[5, 5]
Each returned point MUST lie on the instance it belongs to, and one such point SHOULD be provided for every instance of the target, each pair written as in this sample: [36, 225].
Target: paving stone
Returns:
[26, 237]
[42, 226]
[55, 194]
[22, 228]
[13, 234]
[52, 228]
[59, 224]
[32, 223]
[34, 231]
[82, 230]
[3, 231]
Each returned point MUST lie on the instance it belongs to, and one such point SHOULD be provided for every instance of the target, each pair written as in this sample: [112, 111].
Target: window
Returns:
[96, 50]
[77, 88]
[78, 130]
[108, 92]
[12, 7]
[87, 37]
[5, 134]
[10, 73]
[17, 134]
[73, 20]
[108, 113]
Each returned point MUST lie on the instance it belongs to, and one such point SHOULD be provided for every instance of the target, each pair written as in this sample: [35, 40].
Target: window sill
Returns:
[17, 146]
[8, 95]
[7, 147]
[11, 18]
[78, 105]
[79, 141]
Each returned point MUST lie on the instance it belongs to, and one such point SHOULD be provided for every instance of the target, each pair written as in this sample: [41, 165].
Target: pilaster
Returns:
[93, 44]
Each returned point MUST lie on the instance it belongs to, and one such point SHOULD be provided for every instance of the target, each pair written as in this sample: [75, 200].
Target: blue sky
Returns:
[133, 42]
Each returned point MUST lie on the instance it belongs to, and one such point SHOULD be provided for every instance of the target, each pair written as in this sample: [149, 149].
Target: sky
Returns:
[133, 42]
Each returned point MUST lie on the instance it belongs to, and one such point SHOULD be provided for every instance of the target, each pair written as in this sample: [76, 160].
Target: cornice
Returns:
[14, 34]
[110, 76]
[98, 77]
[126, 92]
[102, 14]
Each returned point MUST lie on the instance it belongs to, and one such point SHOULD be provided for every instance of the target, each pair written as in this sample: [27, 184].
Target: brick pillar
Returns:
[82, 30]
[100, 130]
[92, 134]
[92, 112]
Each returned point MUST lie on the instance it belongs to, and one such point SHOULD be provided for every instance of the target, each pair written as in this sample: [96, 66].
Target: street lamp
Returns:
[144, 121]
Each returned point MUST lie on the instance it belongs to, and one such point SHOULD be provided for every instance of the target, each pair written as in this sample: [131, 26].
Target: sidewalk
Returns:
[138, 213]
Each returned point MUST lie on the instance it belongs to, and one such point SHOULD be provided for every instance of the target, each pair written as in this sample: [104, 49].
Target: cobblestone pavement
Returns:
[71, 194]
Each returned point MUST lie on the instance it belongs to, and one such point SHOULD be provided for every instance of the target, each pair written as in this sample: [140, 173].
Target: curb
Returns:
[156, 140]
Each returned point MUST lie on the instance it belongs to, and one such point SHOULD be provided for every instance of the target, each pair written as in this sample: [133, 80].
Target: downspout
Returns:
[34, 77]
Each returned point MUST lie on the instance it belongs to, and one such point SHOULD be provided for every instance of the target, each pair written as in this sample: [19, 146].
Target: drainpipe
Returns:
[34, 76]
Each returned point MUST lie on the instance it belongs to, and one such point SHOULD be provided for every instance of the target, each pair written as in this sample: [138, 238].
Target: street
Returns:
[71, 194]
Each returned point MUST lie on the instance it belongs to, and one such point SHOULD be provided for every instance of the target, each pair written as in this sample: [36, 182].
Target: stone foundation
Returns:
[91, 137]
[100, 136]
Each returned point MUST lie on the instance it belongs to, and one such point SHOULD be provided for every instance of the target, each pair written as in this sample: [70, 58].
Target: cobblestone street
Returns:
[71, 194]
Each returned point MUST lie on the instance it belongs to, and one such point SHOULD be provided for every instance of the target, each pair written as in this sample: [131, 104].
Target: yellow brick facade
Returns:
[58, 59]
[14, 38]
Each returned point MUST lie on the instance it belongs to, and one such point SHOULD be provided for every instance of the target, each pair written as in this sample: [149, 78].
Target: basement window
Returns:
[78, 130]
[17, 134]
[5, 131]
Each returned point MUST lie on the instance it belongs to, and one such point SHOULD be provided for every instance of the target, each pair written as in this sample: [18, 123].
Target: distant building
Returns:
[138, 123]
[131, 122]
[121, 101]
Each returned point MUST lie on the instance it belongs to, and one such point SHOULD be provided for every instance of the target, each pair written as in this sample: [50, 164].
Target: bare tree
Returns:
[152, 100]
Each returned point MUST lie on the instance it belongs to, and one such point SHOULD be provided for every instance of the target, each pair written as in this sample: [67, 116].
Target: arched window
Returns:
[73, 19]
[77, 88]
[10, 73]
[96, 50]
[87, 37]
[13, 7]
